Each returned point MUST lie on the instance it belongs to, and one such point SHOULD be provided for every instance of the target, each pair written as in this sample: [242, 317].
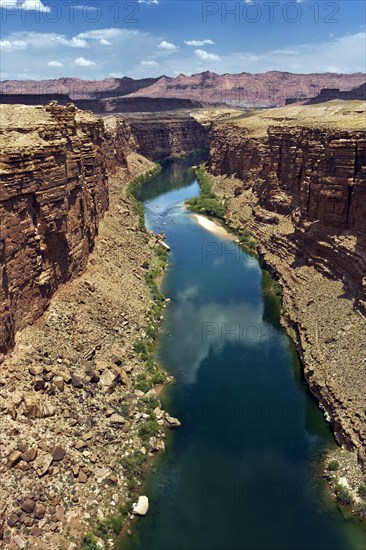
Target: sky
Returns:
[148, 38]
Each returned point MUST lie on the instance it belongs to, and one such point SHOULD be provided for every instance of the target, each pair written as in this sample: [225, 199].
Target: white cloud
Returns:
[206, 56]
[98, 34]
[285, 52]
[164, 45]
[192, 347]
[345, 54]
[46, 40]
[85, 7]
[75, 42]
[82, 62]
[104, 42]
[29, 5]
[199, 42]
[54, 64]
[149, 64]
[34, 5]
[148, 1]
[11, 45]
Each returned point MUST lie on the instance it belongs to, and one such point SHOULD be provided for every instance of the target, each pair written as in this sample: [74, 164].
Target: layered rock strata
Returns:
[163, 135]
[53, 193]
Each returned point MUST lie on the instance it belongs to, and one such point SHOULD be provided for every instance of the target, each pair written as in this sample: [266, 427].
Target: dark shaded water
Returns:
[241, 472]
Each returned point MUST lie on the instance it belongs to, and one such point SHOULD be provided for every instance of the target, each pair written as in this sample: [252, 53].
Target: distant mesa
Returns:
[243, 90]
[328, 94]
[34, 99]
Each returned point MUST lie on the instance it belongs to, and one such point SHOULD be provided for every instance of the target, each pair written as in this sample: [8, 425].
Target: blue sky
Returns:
[97, 39]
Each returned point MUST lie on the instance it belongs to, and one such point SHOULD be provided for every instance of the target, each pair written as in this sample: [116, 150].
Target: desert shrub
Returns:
[89, 542]
[343, 495]
[142, 383]
[362, 492]
[148, 429]
[333, 465]
[133, 189]
[247, 240]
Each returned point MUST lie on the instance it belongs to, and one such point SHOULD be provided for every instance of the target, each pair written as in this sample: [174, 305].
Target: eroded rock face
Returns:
[160, 136]
[54, 171]
[317, 177]
[53, 192]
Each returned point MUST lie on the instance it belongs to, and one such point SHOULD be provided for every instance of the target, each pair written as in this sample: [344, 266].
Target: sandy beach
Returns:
[213, 227]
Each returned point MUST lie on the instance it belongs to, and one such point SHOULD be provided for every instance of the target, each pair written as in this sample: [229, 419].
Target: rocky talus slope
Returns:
[296, 179]
[74, 425]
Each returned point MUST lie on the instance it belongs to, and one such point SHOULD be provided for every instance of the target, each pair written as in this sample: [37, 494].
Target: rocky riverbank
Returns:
[75, 428]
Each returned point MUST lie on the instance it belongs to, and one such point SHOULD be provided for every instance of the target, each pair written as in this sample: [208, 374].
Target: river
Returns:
[243, 471]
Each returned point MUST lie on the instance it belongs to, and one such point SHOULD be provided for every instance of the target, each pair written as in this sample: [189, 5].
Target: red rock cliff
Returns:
[162, 135]
[312, 173]
[53, 192]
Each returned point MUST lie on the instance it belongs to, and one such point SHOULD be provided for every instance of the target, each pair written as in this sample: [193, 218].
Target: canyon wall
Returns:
[54, 164]
[163, 135]
[316, 176]
[53, 192]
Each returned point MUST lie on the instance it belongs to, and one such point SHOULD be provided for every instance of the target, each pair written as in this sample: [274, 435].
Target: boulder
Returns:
[141, 507]
[42, 464]
[30, 454]
[59, 383]
[12, 520]
[48, 409]
[13, 459]
[38, 383]
[157, 445]
[82, 478]
[19, 542]
[117, 419]
[28, 505]
[76, 382]
[33, 407]
[39, 511]
[58, 453]
[35, 371]
[107, 378]
[172, 422]
[80, 444]
[66, 376]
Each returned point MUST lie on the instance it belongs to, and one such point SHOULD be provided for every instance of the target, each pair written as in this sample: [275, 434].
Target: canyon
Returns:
[74, 298]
